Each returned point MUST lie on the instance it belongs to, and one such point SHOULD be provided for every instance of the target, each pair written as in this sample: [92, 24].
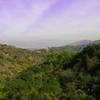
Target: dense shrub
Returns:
[53, 76]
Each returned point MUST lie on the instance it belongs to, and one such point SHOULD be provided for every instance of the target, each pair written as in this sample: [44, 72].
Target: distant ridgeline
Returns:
[50, 74]
[76, 46]
[68, 48]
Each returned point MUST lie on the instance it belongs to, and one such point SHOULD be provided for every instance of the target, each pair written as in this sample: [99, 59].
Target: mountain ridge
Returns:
[75, 46]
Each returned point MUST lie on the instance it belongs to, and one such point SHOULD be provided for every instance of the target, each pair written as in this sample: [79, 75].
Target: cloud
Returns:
[49, 19]
[17, 16]
[79, 21]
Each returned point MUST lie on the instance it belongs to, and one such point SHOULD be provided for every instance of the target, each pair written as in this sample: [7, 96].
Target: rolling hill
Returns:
[75, 46]
[13, 60]
[45, 75]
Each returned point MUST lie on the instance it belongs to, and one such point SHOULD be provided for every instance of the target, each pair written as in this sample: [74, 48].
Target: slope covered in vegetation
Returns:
[76, 46]
[13, 60]
[54, 76]
[68, 48]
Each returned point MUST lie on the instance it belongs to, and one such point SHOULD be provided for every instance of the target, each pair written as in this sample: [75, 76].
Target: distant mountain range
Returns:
[53, 45]
[84, 42]
[79, 43]
[75, 46]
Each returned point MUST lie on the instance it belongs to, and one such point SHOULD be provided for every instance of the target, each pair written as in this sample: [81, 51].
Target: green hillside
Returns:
[13, 60]
[68, 48]
[46, 75]
[76, 46]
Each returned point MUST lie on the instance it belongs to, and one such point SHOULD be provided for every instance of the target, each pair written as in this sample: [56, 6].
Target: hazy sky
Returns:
[69, 20]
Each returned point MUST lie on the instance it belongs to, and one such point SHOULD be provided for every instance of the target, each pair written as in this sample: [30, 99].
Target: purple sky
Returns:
[67, 20]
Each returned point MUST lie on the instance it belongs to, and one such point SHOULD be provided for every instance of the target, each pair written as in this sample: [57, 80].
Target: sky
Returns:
[24, 22]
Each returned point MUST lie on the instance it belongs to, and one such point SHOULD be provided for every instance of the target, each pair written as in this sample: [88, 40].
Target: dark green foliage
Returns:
[52, 76]
[60, 59]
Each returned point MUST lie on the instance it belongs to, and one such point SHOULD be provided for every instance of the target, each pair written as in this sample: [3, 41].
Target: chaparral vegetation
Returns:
[49, 75]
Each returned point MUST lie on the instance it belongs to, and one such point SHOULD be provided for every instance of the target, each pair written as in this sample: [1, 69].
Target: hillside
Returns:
[96, 41]
[75, 46]
[44, 75]
[13, 60]
[80, 43]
